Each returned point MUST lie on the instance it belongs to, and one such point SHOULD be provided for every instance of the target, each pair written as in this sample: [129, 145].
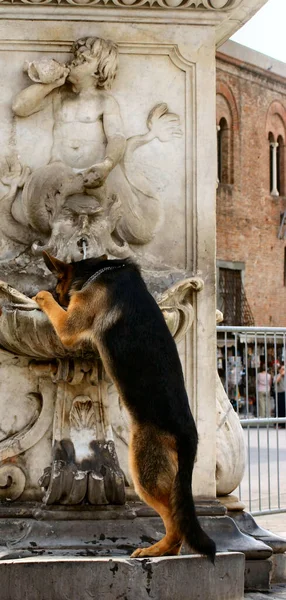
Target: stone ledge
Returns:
[167, 578]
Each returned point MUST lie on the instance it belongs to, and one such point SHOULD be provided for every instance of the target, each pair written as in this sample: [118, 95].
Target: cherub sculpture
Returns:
[89, 172]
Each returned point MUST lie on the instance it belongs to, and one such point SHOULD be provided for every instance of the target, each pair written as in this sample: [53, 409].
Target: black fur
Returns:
[147, 366]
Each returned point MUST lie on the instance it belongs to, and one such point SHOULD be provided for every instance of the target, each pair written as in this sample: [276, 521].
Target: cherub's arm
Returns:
[33, 98]
[161, 124]
[113, 128]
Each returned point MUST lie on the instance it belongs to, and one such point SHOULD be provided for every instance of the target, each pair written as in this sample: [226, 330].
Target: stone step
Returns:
[167, 578]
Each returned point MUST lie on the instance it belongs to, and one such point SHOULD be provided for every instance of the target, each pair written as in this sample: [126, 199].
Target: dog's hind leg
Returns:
[170, 544]
[153, 466]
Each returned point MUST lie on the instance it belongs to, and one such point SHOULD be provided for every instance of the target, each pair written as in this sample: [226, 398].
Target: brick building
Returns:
[251, 194]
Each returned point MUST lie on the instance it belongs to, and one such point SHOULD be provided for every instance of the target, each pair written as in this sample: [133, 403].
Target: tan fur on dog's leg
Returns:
[171, 542]
[160, 498]
[57, 315]
[61, 319]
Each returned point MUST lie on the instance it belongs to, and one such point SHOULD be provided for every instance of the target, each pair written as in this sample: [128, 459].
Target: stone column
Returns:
[274, 147]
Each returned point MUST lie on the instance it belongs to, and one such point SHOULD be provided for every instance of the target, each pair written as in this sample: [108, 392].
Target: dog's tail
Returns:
[184, 512]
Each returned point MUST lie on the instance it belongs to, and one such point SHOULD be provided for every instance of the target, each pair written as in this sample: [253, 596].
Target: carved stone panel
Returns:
[97, 171]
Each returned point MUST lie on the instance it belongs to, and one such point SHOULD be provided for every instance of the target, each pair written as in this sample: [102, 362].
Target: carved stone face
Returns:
[74, 232]
[84, 229]
[83, 71]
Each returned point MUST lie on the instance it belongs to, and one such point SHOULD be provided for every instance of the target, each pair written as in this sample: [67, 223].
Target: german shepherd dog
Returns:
[109, 306]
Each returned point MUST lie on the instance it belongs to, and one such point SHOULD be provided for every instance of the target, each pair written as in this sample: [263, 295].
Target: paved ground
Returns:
[261, 478]
[264, 484]
[278, 593]
[270, 481]
[275, 523]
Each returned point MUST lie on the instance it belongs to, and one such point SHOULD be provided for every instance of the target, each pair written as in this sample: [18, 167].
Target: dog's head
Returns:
[72, 276]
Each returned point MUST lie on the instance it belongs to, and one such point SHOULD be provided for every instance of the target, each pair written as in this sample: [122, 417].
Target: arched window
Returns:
[276, 134]
[223, 152]
[227, 128]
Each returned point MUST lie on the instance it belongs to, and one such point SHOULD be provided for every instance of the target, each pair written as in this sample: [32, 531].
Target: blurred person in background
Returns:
[279, 381]
[263, 388]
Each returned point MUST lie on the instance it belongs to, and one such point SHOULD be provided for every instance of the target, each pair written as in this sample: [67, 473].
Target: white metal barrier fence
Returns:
[250, 363]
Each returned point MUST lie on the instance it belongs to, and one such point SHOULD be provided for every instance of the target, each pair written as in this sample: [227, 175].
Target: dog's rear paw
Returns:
[140, 553]
[161, 548]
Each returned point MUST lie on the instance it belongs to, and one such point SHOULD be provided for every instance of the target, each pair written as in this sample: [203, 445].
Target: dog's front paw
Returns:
[43, 298]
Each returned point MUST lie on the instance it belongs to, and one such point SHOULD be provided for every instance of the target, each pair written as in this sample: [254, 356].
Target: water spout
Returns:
[84, 249]
[82, 244]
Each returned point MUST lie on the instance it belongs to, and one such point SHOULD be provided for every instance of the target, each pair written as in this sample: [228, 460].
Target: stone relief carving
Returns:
[12, 482]
[12, 476]
[84, 461]
[194, 4]
[176, 306]
[34, 431]
[86, 200]
[89, 198]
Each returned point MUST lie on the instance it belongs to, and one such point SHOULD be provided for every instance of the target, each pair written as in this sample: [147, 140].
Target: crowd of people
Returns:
[269, 386]
[260, 392]
[271, 392]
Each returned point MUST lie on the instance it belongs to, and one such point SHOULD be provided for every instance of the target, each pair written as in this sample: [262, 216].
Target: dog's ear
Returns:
[56, 266]
[103, 257]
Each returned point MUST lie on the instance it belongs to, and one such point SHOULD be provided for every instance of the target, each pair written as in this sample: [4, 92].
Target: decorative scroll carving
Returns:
[34, 431]
[10, 297]
[12, 477]
[193, 4]
[176, 306]
[12, 482]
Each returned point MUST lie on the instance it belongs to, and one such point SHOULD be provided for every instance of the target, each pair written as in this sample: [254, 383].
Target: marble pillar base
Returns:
[35, 529]
[247, 524]
[58, 533]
